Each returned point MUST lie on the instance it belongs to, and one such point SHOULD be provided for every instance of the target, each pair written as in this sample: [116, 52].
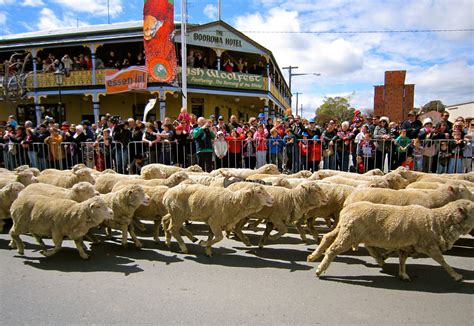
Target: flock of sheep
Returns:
[402, 212]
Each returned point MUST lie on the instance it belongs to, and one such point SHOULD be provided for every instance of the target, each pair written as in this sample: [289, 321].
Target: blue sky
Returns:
[441, 65]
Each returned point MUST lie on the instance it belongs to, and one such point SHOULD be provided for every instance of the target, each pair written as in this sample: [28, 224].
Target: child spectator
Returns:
[456, 148]
[303, 147]
[137, 164]
[234, 144]
[367, 149]
[249, 151]
[360, 165]
[408, 163]
[417, 153]
[443, 158]
[184, 116]
[402, 142]
[314, 153]
[261, 143]
[276, 148]
[220, 150]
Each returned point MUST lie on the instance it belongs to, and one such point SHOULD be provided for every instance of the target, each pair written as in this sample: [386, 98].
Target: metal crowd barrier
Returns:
[433, 156]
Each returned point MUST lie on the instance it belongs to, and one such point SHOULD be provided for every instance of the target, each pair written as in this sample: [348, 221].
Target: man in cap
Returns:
[412, 125]
[445, 117]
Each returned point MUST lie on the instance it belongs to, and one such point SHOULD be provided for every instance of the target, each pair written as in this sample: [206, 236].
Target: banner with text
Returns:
[134, 77]
[214, 78]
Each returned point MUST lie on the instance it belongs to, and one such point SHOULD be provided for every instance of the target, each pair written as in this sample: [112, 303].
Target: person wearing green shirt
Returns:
[402, 142]
[203, 136]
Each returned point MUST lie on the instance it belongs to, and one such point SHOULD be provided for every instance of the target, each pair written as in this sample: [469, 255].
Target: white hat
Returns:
[427, 120]
[219, 133]
[387, 120]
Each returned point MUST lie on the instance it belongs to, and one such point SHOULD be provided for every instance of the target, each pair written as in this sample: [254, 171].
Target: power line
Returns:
[366, 32]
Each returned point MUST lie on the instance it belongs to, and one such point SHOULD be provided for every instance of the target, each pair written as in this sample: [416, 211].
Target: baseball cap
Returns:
[212, 116]
[221, 118]
[312, 120]
[261, 115]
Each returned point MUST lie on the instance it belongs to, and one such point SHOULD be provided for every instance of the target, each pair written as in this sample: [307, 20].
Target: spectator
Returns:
[220, 150]
[401, 144]
[344, 146]
[443, 158]
[260, 138]
[360, 165]
[290, 144]
[417, 150]
[151, 139]
[445, 117]
[234, 142]
[249, 151]
[329, 140]
[55, 151]
[429, 147]
[367, 149]
[456, 150]
[68, 64]
[408, 163]
[203, 136]
[275, 143]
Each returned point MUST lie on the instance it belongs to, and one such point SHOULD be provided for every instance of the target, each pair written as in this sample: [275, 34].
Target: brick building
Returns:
[394, 99]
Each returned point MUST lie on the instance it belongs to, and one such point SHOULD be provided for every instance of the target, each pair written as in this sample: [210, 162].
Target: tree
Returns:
[334, 108]
[435, 105]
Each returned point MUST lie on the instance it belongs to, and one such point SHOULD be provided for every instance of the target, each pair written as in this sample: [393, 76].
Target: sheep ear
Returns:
[451, 189]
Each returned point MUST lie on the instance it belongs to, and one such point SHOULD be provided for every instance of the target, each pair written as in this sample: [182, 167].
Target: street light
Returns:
[291, 74]
[58, 75]
[297, 93]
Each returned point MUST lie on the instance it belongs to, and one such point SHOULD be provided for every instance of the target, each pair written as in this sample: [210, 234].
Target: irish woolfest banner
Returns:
[134, 77]
[158, 27]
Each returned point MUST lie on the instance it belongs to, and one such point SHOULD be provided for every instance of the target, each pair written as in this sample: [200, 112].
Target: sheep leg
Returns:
[2, 224]
[312, 229]
[282, 229]
[80, 248]
[254, 225]
[266, 233]
[39, 240]
[139, 225]
[108, 233]
[17, 242]
[156, 231]
[301, 231]
[58, 241]
[188, 233]
[374, 252]
[341, 244]
[174, 228]
[165, 223]
[238, 232]
[218, 236]
[436, 254]
[326, 241]
[402, 268]
[91, 237]
[131, 230]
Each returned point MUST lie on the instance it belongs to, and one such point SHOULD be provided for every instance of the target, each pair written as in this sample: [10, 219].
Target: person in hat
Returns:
[344, 146]
[260, 138]
[426, 136]
[412, 125]
[382, 136]
[86, 124]
[220, 150]
[445, 117]
[222, 126]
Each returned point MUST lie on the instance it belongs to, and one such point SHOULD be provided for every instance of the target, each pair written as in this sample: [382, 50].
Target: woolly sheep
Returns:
[105, 183]
[67, 180]
[245, 173]
[124, 203]
[8, 194]
[170, 182]
[406, 229]
[34, 214]
[24, 177]
[169, 169]
[290, 206]
[432, 199]
[220, 208]
[79, 192]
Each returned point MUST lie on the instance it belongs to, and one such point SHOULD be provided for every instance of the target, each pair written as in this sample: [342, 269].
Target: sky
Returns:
[440, 64]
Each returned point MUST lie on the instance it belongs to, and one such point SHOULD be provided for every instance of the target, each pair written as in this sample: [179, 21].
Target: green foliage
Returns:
[334, 108]
[435, 105]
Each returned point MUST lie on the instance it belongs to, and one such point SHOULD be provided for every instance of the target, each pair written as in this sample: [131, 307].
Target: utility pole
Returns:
[184, 82]
[301, 111]
[219, 9]
[291, 74]
[297, 101]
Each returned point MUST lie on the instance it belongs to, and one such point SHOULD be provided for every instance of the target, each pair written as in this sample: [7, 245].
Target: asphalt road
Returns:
[239, 285]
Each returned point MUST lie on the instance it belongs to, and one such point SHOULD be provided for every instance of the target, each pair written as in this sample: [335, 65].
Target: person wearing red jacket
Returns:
[314, 152]
[234, 142]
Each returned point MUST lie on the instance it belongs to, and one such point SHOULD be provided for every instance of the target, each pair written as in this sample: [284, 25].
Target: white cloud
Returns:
[32, 3]
[93, 7]
[210, 11]
[3, 18]
[6, 2]
[49, 21]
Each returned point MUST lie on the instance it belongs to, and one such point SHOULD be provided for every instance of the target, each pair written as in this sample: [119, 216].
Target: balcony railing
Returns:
[199, 77]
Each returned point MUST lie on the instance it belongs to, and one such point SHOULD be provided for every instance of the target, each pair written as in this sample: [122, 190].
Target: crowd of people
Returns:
[290, 142]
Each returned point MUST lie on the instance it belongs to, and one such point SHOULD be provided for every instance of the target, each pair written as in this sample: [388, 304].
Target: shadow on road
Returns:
[426, 278]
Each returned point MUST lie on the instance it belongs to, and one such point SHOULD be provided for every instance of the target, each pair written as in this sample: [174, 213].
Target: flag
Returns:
[158, 28]
[149, 107]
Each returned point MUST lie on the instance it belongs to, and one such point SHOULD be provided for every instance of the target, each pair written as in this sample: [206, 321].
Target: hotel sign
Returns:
[220, 38]
[214, 78]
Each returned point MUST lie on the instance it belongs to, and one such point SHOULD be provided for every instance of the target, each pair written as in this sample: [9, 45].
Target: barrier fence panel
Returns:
[431, 156]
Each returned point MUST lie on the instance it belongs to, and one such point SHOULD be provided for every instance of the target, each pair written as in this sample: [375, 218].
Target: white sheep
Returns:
[8, 194]
[36, 214]
[406, 229]
[220, 208]
[79, 192]
[67, 180]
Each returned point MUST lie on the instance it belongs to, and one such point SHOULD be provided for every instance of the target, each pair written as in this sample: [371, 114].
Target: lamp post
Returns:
[291, 74]
[58, 75]
[297, 93]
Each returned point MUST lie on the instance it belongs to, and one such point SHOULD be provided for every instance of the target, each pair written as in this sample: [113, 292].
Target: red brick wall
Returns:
[394, 99]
